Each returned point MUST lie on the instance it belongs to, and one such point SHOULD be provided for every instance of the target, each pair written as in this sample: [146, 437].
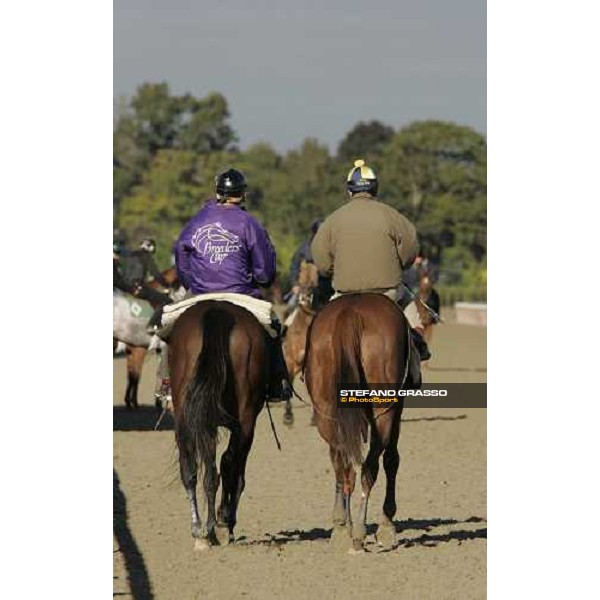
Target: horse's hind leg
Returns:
[345, 479]
[339, 507]
[245, 445]
[188, 468]
[211, 483]
[369, 471]
[135, 362]
[233, 475]
[229, 479]
[386, 533]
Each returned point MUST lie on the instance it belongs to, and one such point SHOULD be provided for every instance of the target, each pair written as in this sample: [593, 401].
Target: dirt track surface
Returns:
[282, 547]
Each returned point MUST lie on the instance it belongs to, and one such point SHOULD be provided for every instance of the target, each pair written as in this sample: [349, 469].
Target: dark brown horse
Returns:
[218, 362]
[359, 339]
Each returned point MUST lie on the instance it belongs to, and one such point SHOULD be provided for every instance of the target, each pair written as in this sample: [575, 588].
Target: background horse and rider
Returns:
[296, 327]
[131, 330]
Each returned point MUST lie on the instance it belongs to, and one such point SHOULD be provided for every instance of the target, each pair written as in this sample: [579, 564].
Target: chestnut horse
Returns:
[218, 358]
[359, 339]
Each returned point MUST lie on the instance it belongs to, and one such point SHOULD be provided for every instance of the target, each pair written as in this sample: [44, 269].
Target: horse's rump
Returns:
[130, 319]
[216, 341]
[356, 339]
[217, 354]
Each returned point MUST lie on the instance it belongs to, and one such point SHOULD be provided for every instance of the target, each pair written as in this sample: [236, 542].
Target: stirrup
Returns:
[279, 396]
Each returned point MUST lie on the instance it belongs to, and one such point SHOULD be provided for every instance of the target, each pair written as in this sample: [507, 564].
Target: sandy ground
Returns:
[282, 547]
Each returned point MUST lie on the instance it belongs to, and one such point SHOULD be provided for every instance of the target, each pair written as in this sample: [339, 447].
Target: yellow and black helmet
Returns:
[362, 179]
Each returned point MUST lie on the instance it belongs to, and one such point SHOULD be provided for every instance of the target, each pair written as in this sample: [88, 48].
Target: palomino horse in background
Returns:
[428, 295]
[218, 359]
[358, 340]
[136, 353]
[298, 321]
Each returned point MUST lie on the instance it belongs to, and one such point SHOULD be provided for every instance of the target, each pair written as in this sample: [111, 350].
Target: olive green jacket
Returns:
[365, 245]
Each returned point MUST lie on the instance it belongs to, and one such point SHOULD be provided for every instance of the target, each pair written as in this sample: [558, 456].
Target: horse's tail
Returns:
[351, 420]
[203, 409]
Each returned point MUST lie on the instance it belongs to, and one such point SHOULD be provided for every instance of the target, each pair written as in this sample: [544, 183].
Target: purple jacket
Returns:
[224, 249]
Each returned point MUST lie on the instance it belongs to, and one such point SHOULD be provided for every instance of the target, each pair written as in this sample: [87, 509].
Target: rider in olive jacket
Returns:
[366, 244]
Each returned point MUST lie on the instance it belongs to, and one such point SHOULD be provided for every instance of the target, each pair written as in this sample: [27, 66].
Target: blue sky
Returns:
[294, 70]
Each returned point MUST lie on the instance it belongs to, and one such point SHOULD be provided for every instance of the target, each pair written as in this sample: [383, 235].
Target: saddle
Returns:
[261, 309]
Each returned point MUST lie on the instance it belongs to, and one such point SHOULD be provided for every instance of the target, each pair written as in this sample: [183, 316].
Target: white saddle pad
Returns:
[261, 309]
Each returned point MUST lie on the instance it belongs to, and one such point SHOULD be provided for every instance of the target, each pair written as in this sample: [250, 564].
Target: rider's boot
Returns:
[162, 388]
[420, 344]
[278, 386]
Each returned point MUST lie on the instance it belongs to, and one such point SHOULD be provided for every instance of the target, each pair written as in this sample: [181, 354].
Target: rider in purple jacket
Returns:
[225, 249]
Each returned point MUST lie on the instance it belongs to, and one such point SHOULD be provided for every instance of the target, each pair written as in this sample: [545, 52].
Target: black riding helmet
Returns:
[230, 183]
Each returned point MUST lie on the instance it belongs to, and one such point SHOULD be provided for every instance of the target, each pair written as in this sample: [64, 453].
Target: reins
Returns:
[273, 424]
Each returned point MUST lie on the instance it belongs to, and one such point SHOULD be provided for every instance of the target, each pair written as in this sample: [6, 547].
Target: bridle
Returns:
[305, 298]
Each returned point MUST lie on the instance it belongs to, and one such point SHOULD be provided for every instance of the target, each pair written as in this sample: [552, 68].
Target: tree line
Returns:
[168, 149]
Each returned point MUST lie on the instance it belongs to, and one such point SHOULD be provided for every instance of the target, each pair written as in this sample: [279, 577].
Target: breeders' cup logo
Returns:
[214, 241]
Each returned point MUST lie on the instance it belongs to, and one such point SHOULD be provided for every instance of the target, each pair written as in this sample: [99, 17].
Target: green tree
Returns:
[364, 140]
[435, 173]
[163, 202]
[154, 121]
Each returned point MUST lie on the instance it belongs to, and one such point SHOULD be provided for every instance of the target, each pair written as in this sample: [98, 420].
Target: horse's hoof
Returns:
[359, 533]
[222, 534]
[386, 535]
[340, 540]
[357, 547]
[201, 544]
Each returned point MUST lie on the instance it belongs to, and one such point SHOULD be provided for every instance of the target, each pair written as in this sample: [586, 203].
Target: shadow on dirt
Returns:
[143, 418]
[456, 418]
[458, 369]
[424, 525]
[137, 574]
